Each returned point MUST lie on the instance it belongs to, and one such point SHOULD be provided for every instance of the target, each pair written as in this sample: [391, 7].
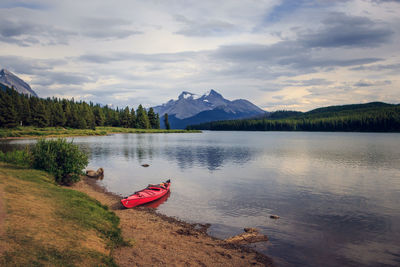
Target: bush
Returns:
[19, 157]
[61, 158]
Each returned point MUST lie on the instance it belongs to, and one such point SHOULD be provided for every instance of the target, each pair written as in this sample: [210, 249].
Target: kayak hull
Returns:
[147, 195]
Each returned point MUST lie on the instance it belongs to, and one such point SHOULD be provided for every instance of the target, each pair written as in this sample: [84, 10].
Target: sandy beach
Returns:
[159, 240]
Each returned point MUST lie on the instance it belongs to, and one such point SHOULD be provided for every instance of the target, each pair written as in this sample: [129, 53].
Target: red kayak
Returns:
[149, 194]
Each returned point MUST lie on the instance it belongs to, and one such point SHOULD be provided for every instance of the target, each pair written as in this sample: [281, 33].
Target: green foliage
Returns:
[8, 114]
[40, 115]
[166, 122]
[18, 157]
[61, 158]
[371, 117]
[153, 119]
[125, 118]
[16, 109]
[142, 120]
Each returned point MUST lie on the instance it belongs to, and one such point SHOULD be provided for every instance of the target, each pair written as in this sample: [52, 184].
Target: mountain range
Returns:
[190, 108]
[10, 80]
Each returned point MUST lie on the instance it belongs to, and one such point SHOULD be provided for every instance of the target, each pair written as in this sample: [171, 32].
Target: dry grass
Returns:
[48, 225]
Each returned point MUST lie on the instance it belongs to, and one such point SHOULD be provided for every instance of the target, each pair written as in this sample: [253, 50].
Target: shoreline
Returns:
[140, 226]
[29, 132]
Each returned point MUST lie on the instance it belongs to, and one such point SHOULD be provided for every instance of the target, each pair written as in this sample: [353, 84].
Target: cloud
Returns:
[286, 53]
[205, 27]
[25, 65]
[309, 82]
[50, 78]
[367, 83]
[26, 33]
[7, 4]
[341, 30]
[106, 58]
[107, 28]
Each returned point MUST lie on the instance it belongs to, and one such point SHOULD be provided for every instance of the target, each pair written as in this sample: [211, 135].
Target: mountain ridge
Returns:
[190, 108]
[9, 79]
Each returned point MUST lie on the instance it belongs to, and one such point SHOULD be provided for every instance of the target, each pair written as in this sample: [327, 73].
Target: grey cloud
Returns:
[24, 33]
[24, 65]
[300, 62]
[205, 27]
[50, 78]
[285, 53]
[107, 28]
[367, 83]
[127, 56]
[257, 52]
[309, 82]
[378, 67]
[341, 30]
[22, 4]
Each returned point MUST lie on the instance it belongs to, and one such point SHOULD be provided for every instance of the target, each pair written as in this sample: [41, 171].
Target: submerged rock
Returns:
[250, 235]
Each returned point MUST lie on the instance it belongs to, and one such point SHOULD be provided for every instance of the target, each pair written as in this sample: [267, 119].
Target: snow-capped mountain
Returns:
[190, 108]
[10, 80]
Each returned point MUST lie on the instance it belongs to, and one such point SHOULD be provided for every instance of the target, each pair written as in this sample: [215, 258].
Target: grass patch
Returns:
[30, 131]
[48, 225]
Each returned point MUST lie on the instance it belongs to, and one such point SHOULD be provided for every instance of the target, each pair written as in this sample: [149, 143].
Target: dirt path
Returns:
[163, 241]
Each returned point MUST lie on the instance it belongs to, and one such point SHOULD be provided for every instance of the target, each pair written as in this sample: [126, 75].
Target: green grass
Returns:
[30, 131]
[49, 225]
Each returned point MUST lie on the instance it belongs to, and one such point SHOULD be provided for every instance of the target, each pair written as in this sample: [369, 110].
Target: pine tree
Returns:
[125, 118]
[142, 120]
[8, 115]
[26, 117]
[166, 122]
[157, 121]
[40, 116]
[152, 119]
[58, 115]
[132, 123]
[99, 117]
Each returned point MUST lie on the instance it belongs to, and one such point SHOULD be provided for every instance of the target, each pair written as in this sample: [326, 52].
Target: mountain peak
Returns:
[11, 80]
[189, 105]
[187, 95]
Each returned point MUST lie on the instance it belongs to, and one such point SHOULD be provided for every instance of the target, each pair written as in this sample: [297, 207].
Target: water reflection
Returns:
[155, 204]
[210, 157]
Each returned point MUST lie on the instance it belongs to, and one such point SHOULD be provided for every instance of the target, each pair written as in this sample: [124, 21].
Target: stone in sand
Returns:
[250, 235]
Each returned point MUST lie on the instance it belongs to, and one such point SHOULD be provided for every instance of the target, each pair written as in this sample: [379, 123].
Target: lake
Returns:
[337, 194]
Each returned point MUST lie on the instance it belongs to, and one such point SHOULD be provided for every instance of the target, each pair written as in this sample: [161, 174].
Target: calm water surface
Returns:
[337, 194]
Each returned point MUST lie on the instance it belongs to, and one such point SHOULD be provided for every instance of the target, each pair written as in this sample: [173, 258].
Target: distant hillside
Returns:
[192, 109]
[373, 117]
[8, 79]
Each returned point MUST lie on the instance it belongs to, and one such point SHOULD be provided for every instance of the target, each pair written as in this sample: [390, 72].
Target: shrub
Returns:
[61, 158]
[19, 157]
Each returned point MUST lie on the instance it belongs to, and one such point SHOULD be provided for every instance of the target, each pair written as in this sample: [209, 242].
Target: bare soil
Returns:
[159, 240]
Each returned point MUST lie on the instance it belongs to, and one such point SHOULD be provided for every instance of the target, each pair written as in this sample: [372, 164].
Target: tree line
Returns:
[371, 118]
[18, 109]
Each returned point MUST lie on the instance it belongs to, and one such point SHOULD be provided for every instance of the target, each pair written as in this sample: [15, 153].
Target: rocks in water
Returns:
[145, 165]
[95, 174]
[250, 235]
[275, 217]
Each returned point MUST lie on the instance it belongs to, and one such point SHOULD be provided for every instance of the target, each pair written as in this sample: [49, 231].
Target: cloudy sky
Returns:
[294, 54]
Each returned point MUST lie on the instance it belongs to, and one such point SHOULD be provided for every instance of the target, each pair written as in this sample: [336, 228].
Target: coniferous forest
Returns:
[371, 117]
[18, 109]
